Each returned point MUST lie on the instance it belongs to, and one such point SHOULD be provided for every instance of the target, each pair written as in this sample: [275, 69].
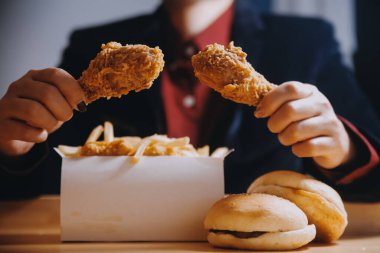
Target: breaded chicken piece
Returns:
[117, 70]
[227, 71]
[102, 148]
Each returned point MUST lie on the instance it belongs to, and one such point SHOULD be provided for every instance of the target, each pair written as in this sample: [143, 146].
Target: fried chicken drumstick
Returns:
[117, 70]
[227, 71]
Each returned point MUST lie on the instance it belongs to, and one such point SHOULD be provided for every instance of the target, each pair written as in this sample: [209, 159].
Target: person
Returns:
[327, 129]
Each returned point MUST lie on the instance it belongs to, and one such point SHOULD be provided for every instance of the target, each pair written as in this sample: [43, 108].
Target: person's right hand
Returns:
[36, 105]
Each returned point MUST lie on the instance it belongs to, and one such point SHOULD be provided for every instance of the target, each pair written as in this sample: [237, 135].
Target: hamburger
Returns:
[321, 203]
[257, 222]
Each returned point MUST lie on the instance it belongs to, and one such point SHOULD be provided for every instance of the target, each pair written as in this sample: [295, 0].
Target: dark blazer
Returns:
[281, 48]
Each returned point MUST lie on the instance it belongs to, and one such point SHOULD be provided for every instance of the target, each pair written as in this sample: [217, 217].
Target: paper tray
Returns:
[157, 199]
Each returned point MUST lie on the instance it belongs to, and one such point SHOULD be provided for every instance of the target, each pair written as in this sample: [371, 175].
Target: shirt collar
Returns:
[217, 32]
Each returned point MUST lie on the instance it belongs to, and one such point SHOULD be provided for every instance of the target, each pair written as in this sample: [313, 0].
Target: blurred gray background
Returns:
[34, 32]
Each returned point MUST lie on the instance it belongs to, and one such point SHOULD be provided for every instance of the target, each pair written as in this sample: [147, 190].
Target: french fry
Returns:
[158, 138]
[130, 141]
[95, 134]
[140, 150]
[69, 150]
[154, 145]
[108, 132]
[178, 142]
[204, 151]
[221, 152]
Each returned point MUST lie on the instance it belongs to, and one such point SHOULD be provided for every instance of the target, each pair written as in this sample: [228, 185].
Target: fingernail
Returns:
[259, 114]
[81, 106]
[258, 106]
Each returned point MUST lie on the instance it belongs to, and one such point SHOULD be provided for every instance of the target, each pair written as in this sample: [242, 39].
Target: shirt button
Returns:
[188, 101]
[189, 51]
[173, 67]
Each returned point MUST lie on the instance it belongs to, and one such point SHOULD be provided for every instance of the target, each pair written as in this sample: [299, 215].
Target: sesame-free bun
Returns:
[321, 203]
[281, 224]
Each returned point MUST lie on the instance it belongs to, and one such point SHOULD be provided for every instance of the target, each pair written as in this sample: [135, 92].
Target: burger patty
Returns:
[239, 234]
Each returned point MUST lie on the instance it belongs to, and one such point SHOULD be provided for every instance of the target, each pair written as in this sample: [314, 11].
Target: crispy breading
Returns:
[103, 148]
[117, 70]
[226, 70]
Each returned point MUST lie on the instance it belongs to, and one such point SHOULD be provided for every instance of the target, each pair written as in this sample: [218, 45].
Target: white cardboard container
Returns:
[158, 199]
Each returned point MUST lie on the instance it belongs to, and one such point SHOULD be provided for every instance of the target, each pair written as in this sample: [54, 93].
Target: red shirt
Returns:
[185, 102]
[185, 97]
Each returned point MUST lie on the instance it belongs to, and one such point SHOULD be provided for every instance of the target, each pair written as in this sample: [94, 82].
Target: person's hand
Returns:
[304, 119]
[36, 105]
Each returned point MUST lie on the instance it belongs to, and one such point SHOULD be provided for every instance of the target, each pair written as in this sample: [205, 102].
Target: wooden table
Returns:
[33, 226]
[348, 245]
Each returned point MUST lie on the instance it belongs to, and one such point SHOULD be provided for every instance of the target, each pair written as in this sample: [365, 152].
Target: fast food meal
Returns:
[226, 70]
[117, 70]
[321, 203]
[155, 145]
[257, 222]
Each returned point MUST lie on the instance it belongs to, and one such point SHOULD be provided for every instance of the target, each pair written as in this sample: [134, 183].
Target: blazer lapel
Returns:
[152, 35]
[248, 31]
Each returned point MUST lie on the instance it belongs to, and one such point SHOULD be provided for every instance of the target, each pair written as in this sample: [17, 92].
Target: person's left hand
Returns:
[304, 119]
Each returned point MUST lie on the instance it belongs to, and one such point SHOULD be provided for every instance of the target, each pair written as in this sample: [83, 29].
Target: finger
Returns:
[16, 130]
[304, 130]
[315, 147]
[65, 83]
[292, 111]
[283, 93]
[49, 96]
[33, 113]
[328, 162]
[59, 124]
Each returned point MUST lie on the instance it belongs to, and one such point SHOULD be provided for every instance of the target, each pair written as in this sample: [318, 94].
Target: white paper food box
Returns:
[158, 199]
